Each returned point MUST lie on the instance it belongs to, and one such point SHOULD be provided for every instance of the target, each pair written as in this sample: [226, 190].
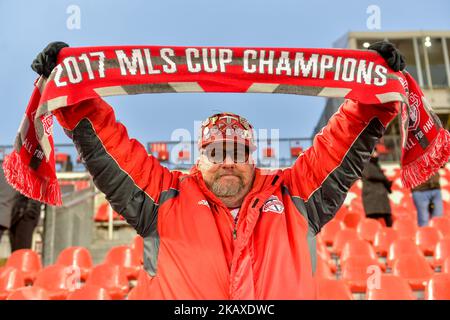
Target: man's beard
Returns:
[222, 188]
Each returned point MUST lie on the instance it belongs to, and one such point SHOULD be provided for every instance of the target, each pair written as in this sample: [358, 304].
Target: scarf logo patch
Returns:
[414, 114]
[273, 205]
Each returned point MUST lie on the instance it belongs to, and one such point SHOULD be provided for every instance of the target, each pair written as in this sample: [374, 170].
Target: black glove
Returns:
[394, 58]
[46, 60]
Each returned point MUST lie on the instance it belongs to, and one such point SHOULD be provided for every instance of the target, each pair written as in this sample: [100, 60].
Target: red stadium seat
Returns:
[58, 281]
[357, 248]
[125, 257]
[27, 261]
[296, 151]
[111, 277]
[138, 247]
[367, 229]
[446, 265]
[102, 214]
[184, 155]
[406, 228]
[441, 252]
[323, 253]
[352, 220]
[438, 288]
[442, 224]
[414, 268]
[29, 293]
[401, 247]
[89, 292]
[323, 270]
[391, 288]
[10, 279]
[332, 290]
[328, 232]
[356, 272]
[383, 239]
[342, 237]
[77, 257]
[426, 239]
[268, 152]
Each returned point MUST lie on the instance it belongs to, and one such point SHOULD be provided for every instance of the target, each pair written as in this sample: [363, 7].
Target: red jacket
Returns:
[189, 250]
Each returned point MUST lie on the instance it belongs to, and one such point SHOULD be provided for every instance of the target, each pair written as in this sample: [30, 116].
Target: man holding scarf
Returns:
[226, 230]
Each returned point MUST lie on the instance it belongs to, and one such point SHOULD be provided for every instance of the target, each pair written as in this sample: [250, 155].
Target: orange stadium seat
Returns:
[89, 292]
[390, 288]
[268, 152]
[57, 280]
[323, 252]
[332, 290]
[426, 239]
[401, 247]
[355, 272]
[77, 257]
[342, 237]
[441, 252]
[138, 247]
[296, 151]
[383, 239]
[10, 280]
[438, 288]
[406, 228]
[125, 257]
[442, 224]
[414, 268]
[329, 230]
[352, 220]
[29, 293]
[113, 278]
[367, 229]
[357, 248]
[102, 214]
[27, 261]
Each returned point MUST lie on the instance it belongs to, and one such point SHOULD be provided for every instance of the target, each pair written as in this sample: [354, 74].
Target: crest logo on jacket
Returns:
[273, 204]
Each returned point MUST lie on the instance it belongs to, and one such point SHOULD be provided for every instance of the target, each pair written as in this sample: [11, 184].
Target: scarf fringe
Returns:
[421, 169]
[23, 179]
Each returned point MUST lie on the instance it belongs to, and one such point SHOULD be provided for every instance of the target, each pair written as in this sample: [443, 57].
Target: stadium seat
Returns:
[102, 214]
[414, 268]
[367, 229]
[356, 272]
[332, 290]
[77, 257]
[426, 239]
[446, 265]
[406, 228]
[10, 279]
[352, 219]
[441, 252]
[113, 278]
[390, 288]
[357, 248]
[342, 237]
[401, 247]
[125, 257]
[268, 153]
[27, 261]
[323, 270]
[89, 292]
[323, 252]
[138, 247]
[58, 281]
[438, 288]
[329, 231]
[296, 151]
[383, 239]
[442, 224]
[184, 155]
[29, 293]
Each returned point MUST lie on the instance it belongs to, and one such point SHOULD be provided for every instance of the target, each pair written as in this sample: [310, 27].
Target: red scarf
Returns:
[85, 73]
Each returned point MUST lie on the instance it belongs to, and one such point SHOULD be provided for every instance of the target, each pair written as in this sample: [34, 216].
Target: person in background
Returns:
[428, 196]
[7, 196]
[376, 187]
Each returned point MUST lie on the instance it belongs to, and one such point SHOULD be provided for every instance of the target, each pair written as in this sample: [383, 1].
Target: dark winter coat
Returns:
[375, 189]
